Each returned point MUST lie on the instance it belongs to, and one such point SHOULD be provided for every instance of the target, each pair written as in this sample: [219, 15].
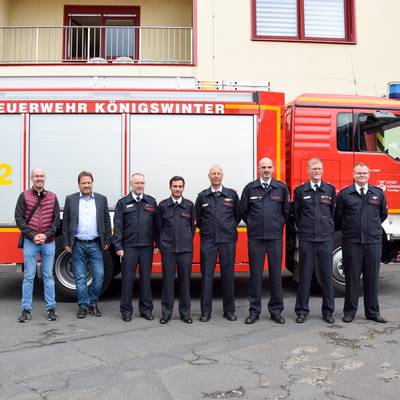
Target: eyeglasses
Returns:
[361, 173]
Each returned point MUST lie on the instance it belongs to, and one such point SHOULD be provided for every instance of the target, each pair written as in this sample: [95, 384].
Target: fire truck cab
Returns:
[342, 131]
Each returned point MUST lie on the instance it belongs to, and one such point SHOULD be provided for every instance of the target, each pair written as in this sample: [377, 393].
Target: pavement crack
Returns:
[320, 375]
[228, 394]
[387, 330]
[339, 340]
[34, 390]
[288, 387]
[93, 356]
[341, 396]
[201, 360]
[250, 367]
[42, 342]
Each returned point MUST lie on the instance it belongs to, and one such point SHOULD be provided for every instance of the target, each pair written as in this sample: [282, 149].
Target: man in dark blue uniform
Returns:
[133, 239]
[217, 212]
[360, 210]
[175, 222]
[314, 206]
[265, 209]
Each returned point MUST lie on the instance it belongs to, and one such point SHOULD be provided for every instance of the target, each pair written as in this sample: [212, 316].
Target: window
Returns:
[345, 131]
[100, 32]
[376, 132]
[304, 20]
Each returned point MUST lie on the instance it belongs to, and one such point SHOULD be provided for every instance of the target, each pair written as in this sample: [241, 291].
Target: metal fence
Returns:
[96, 44]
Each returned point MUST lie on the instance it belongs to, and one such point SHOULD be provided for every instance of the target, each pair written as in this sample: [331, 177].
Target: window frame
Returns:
[118, 12]
[349, 27]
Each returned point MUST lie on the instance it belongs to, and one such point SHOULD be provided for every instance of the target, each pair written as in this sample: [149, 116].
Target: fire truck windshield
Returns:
[379, 132]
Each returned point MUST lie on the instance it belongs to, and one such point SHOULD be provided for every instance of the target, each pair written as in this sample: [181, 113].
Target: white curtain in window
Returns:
[324, 18]
[276, 17]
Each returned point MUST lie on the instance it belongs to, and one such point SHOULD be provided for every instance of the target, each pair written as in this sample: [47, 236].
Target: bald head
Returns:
[266, 168]
[215, 176]
[215, 167]
[38, 179]
[38, 170]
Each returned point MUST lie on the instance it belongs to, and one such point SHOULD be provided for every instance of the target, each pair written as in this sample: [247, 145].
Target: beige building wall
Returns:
[153, 12]
[4, 12]
[225, 51]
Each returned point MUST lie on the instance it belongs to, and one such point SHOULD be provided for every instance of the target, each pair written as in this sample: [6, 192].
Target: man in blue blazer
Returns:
[87, 232]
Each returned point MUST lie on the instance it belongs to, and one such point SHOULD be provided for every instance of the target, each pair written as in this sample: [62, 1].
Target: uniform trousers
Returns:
[182, 262]
[208, 259]
[310, 252]
[134, 256]
[257, 250]
[362, 259]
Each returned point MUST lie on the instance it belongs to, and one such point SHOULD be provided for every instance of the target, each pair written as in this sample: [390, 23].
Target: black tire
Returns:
[337, 267]
[64, 277]
[338, 278]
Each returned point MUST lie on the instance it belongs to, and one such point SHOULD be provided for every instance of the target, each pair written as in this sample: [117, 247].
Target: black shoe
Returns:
[378, 318]
[148, 316]
[251, 319]
[230, 316]
[82, 313]
[126, 317]
[24, 316]
[164, 320]
[204, 318]
[94, 310]
[187, 320]
[347, 318]
[278, 318]
[52, 315]
[301, 319]
[329, 319]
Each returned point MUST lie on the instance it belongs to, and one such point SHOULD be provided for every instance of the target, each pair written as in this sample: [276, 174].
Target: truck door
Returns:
[66, 144]
[11, 159]
[188, 145]
[377, 144]
[345, 138]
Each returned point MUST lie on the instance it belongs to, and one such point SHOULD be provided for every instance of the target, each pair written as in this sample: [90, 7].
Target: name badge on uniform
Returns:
[228, 199]
[306, 197]
[204, 205]
[129, 205]
[374, 200]
[255, 197]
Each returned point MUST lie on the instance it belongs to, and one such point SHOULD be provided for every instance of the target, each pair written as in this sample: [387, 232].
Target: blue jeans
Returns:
[31, 254]
[88, 256]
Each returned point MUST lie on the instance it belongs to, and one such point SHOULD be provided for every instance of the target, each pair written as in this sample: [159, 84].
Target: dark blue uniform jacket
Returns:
[175, 226]
[134, 223]
[217, 217]
[360, 219]
[265, 211]
[314, 212]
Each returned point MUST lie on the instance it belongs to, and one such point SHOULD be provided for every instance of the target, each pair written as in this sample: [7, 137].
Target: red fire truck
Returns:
[115, 131]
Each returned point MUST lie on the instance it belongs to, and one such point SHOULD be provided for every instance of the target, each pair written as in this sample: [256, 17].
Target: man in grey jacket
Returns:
[87, 232]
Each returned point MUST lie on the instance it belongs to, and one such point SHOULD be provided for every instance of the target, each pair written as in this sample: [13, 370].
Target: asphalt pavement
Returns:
[106, 358]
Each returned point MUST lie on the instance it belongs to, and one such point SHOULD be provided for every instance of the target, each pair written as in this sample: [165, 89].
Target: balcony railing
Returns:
[96, 44]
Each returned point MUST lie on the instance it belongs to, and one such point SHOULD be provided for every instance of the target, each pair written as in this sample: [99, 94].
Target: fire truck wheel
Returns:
[64, 277]
[337, 268]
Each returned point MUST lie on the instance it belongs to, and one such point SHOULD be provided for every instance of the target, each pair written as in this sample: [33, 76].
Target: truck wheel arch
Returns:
[64, 277]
